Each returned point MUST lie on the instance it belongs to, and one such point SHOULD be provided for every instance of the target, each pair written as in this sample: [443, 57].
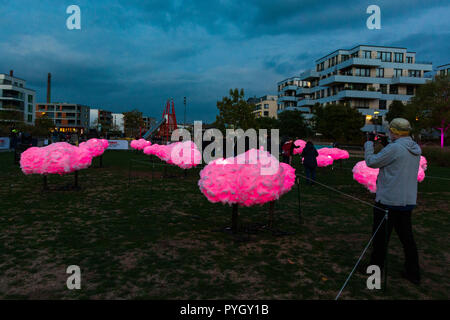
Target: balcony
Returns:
[287, 98]
[353, 79]
[359, 62]
[359, 94]
[309, 75]
[408, 80]
[304, 90]
[306, 102]
[289, 87]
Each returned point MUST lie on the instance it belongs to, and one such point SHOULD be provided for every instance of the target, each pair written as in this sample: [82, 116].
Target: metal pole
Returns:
[386, 252]
[300, 219]
[184, 123]
[234, 218]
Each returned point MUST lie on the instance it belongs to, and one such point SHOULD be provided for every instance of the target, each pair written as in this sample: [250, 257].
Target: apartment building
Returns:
[366, 77]
[67, 117]
[100, 116]
[443, 70]
[16, 101]
[287, 92]
[148, 122]
[265, 106]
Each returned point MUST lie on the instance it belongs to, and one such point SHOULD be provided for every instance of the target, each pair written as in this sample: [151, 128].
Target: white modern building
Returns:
[118, 121]
[287, 92]
[367, 77]
[16, 101]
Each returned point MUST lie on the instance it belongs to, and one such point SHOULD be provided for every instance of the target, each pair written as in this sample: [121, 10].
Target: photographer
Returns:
[396, 192]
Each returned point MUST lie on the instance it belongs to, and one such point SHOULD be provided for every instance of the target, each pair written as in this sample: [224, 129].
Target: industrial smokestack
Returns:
[11, 73]
[49, 83]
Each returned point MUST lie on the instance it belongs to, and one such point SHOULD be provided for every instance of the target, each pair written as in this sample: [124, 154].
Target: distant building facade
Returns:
[100, 116]
[265, 106]
[67, 117]
[118, 122]
[16, 101]
[443, 70]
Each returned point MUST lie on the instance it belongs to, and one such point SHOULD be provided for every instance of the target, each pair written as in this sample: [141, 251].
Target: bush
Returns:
[437, 155]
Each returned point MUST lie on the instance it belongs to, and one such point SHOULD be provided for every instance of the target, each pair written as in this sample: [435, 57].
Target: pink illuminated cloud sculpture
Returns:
[56, 158]
[182, 154]
[96, 147]
[140, 144]
[300, 145]
[335, 153]
[252, 178]
[368, 176]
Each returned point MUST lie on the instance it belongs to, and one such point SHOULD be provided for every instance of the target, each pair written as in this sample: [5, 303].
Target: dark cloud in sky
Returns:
[136, 54]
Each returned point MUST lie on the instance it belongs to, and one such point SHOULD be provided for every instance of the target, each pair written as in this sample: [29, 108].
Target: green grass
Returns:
[136, 235]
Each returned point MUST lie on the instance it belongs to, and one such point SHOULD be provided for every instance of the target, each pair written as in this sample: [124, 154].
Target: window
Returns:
[382, 105]
[384, 56]
[266, 106]
[393, 89]
[30, 108]
[30, 118]
[410, 90]
[398, 57]
[383, 88]
[362, 72]
[414, 73]
[367, 54]
[409, 59]
[380, 72]
[266, 113]
[30, 98]
[398, 72]
[355, 54]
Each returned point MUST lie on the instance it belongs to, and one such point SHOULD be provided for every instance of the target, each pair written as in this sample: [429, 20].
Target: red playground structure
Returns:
[170, 122]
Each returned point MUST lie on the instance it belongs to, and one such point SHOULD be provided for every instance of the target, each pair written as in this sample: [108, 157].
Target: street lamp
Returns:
[184, 112]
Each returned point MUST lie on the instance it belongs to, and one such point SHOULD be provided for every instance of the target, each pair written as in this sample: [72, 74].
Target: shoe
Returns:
[414, 280]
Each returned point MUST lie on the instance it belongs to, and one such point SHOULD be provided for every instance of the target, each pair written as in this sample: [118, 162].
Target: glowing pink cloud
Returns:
[300, 144]
[56, 158]
[140, 144]
[335, 153]
[96, 147]
[252, 178]
[182, 154]
[368, 176]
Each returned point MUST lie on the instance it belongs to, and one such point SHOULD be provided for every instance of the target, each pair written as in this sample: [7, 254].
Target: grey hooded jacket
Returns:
[399, 164]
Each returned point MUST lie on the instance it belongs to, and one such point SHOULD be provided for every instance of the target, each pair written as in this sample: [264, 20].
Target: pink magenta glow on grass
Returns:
[300, 144]
[182, 154]
[368, 176]
[140, 144]
[239, 180]
[57, 158]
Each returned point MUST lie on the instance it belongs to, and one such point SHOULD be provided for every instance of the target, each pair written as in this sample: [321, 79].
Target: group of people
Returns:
[309, 155]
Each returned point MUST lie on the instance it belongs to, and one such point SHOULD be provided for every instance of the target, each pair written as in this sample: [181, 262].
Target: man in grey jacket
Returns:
[396, 192]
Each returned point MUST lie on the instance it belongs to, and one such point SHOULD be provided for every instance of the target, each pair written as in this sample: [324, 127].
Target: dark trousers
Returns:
[401, 222]
[310, 174]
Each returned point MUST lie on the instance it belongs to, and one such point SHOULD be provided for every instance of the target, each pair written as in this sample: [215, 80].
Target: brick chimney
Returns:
[49, 82]
[11, 73]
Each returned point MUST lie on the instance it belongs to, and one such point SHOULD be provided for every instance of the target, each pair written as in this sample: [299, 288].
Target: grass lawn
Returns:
[158, 238]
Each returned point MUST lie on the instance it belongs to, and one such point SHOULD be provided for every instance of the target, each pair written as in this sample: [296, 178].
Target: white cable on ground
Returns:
[343, 193]
[360, 257]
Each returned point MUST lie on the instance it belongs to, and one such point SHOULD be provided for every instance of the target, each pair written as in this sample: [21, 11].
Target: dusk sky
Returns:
[136, 54]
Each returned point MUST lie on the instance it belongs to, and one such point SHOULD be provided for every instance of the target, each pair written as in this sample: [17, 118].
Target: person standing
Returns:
[310, 155]
[396, 192]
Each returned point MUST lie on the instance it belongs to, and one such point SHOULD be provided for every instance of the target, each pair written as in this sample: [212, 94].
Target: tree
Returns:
[396, 110]
[42, 125]
[339, 122]
[235, 112]
[292, 124]
[133, 122]
[267, 123]
[430, 107]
